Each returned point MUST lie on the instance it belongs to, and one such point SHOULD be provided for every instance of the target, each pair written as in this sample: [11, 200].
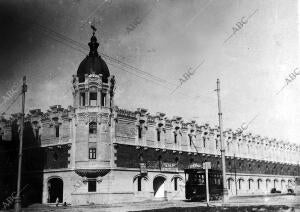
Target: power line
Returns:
[80, 45]
[11, 104]
[71, 43]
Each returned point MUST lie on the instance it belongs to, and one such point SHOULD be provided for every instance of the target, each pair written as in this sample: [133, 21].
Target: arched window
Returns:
[240, 183]
[57, 131]
[175, 184]
[93, 127]
[258, 183]
[190, 139]
[250, 184]
[140, 131]
[158, 135]
[139, 184]
[82, 99]
[103, 99]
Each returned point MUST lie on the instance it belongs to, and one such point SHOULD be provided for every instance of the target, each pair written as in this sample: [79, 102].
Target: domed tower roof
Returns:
[93, 63]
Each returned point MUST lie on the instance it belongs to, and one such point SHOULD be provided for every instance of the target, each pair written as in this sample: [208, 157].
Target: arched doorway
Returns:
[55, 190]
[159, 187]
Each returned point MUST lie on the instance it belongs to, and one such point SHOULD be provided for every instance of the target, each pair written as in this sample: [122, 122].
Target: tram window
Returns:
[219, 180]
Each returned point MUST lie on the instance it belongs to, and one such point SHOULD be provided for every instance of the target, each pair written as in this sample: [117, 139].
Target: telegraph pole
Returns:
[18, 206]
[225, 191]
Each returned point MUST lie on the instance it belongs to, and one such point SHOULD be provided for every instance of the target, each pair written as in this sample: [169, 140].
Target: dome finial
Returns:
[94, 29]
[93, 43]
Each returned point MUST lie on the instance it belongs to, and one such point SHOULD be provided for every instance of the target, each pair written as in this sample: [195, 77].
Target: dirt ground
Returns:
[244, 204]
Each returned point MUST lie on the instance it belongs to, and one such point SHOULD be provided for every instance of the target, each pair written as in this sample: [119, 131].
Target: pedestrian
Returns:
[57, 202]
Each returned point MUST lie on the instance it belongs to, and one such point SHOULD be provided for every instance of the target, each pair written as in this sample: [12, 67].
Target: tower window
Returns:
[92, 186]
[93, 99]
[93, 128]
[57, 131]
[140, 131]
[92, 153]
[103, 99]
[82, 99]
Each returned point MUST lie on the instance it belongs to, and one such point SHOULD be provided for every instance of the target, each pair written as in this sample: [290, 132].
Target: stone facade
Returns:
[95, 152]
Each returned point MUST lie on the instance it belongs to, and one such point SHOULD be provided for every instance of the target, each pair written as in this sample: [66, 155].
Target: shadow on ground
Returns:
[227, 209]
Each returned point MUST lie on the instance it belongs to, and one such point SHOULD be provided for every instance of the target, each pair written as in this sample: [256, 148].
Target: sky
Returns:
[165, 39]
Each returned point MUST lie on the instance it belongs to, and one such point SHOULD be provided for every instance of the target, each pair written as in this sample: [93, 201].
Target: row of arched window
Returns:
[251, 185]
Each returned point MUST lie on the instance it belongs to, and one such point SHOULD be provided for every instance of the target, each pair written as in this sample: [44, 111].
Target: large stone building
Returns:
[95, 152]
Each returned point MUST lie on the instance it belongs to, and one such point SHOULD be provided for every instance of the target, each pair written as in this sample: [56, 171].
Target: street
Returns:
[258, 203]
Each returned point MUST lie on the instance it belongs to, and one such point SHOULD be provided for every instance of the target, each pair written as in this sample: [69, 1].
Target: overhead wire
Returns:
[78, 44]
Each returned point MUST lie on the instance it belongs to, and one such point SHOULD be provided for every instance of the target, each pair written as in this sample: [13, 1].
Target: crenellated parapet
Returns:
[176, 133]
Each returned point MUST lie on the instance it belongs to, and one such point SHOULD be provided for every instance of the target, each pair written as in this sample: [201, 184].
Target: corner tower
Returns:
[93, 90]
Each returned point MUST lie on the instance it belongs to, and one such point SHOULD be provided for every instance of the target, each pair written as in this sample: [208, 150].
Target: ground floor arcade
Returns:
[129, 185]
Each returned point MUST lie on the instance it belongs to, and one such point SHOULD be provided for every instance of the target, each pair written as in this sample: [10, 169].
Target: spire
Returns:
[93, 44]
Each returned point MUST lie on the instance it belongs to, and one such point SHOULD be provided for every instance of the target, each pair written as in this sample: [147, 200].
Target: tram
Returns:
[195, 188]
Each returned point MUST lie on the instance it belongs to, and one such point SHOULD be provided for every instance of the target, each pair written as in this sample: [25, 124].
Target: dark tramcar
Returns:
[195, 188]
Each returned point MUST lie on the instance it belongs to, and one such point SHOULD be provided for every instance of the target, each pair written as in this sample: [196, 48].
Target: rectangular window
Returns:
[57, 131]
[103, 99]
[139, 184]
[92, 185]
[82, 99]
[175, 183]
[93, 99]
[92, 153]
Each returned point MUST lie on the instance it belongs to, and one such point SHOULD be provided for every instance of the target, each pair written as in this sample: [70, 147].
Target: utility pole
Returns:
[225, 191]
[18, 206]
